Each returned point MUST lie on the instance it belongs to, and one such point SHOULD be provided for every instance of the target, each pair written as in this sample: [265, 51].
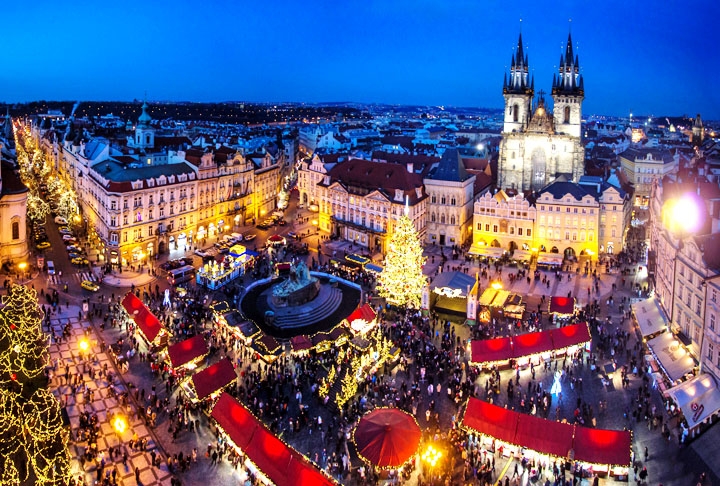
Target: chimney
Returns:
[410, 167]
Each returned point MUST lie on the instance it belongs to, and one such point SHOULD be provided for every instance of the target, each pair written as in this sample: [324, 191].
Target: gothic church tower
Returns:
[518, 92]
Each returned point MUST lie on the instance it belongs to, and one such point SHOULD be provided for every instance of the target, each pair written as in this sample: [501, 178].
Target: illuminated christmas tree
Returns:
[402, 280]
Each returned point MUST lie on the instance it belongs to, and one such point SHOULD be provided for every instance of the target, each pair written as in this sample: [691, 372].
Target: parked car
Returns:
[43, 245]
[60, 220]
[250, 236]
[91, 286]
[79, 261]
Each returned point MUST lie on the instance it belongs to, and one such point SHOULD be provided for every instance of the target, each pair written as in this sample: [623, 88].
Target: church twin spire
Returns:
[519, 82]
[569, 80]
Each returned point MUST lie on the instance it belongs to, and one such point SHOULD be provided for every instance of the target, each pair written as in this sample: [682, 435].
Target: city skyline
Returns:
[649, 62]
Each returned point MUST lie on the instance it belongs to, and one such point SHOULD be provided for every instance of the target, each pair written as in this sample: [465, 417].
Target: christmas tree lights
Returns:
[402, 280]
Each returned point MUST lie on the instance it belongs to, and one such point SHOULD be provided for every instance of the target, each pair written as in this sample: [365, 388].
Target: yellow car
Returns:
[91, 286]
[79, 261]
[42, 245]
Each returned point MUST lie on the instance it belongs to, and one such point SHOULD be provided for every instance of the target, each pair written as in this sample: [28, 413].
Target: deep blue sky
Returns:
[649, 57]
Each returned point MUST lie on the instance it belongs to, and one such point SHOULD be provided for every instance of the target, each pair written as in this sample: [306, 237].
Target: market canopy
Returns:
[277, 461]
[484, 351]
[650, 317]
[562, 305]
[545, 258]
[359, 259]
[373, 267]
[595, 446]
[532, 343]
[487, 251]
[698, 398]
[672, 357]
[572, 335]
[522, 255]
[187, 351]
[492, 420]
[387, 437]
[147, 323]
[494, 297]
[490, 350]
[600, 446]
[213, 378]
[300, 343]
[362, 318]
[537, 434]
[452, 284]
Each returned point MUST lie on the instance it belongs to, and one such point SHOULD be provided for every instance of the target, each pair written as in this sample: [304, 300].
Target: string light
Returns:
[33, 440]
[402, 280]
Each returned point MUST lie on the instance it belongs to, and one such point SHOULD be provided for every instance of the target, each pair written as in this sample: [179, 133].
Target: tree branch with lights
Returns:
[402, 280]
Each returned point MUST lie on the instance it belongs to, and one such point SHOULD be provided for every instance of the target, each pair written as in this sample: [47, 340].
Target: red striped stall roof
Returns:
[213, 378]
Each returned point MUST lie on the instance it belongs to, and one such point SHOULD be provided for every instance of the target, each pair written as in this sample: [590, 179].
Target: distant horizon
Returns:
[636, 116]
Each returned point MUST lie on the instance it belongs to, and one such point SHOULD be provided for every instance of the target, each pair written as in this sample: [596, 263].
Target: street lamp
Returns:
[431, 456]
[120, 424]
[84, 345]
[496, 285]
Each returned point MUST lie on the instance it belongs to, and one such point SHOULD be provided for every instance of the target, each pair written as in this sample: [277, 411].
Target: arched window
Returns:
[566, 116]
[516, 112]
[452, 220]
[442, 219]
[432, 217]
[15, 230]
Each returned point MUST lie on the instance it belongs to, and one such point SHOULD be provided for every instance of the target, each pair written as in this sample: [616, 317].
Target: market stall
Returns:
[301, 345]
[214, 275]
[481, 250]
[357, 259]
[187, 353]
[562, 307]
[549, 259]
[450, 291]
[649, 317]
[522, 255]
[151, 330]
[233, 321]
[267, 348]
[267, 456]
[699, 399]
[387, 437]
[596, 450]
[362, 320]
[213, 379]
[372, 267]
[672, 357]
[530, 347]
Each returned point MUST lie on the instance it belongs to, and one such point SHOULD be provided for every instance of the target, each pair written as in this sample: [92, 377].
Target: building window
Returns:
[567, 235]
[520, 231]
[432, 218]
[512, 230]
[712, 322]
[15, 230]
[113, 221]
[487, 227]
[710, 351]
[125, 220]
[529, 232]
[714, 296]
[452, 201]
[495, 228]
[150, 230]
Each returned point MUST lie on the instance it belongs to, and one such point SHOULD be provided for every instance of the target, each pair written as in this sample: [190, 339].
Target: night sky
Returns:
[654, 58]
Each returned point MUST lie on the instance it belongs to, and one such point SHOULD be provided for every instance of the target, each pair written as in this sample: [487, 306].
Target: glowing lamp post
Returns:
[431, 457]
[120, 424]
[496, 285]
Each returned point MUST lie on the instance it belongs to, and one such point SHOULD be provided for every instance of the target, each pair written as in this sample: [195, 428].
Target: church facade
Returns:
[538, 145]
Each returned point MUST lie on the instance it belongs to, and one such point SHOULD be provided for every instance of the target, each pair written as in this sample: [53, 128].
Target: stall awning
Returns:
[698, 398]
[535, 433]
[213, 378]
[373, 267]
[650, 316]
[301, 343]
[562, 305]
[550, 258]
[365, 313]
[360, 260]
[490, 350]
[452, 284]
[279, 462]
[598, 446]
[146, 321]
[584, 444]
[492, 420]
[486, 351]
[532, 343]
[186, 351]
[522, 255]
[487, 251]
[673, 359]
[572, 335]
[493, 297]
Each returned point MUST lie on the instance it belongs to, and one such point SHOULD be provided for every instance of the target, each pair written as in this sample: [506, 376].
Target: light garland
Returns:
[33, 441]
[402, 280]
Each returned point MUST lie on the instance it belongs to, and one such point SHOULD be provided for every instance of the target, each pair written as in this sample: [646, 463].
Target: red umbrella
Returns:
[387, 437]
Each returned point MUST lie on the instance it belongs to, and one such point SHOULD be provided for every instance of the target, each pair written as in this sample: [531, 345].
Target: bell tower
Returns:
[518, 92]
[568, 93]
[144, 133]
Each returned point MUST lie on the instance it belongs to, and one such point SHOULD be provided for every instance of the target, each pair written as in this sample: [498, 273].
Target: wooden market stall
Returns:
[151, 330]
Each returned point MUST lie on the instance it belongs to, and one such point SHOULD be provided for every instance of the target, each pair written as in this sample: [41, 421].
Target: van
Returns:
[181, 275]
[51, 267]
